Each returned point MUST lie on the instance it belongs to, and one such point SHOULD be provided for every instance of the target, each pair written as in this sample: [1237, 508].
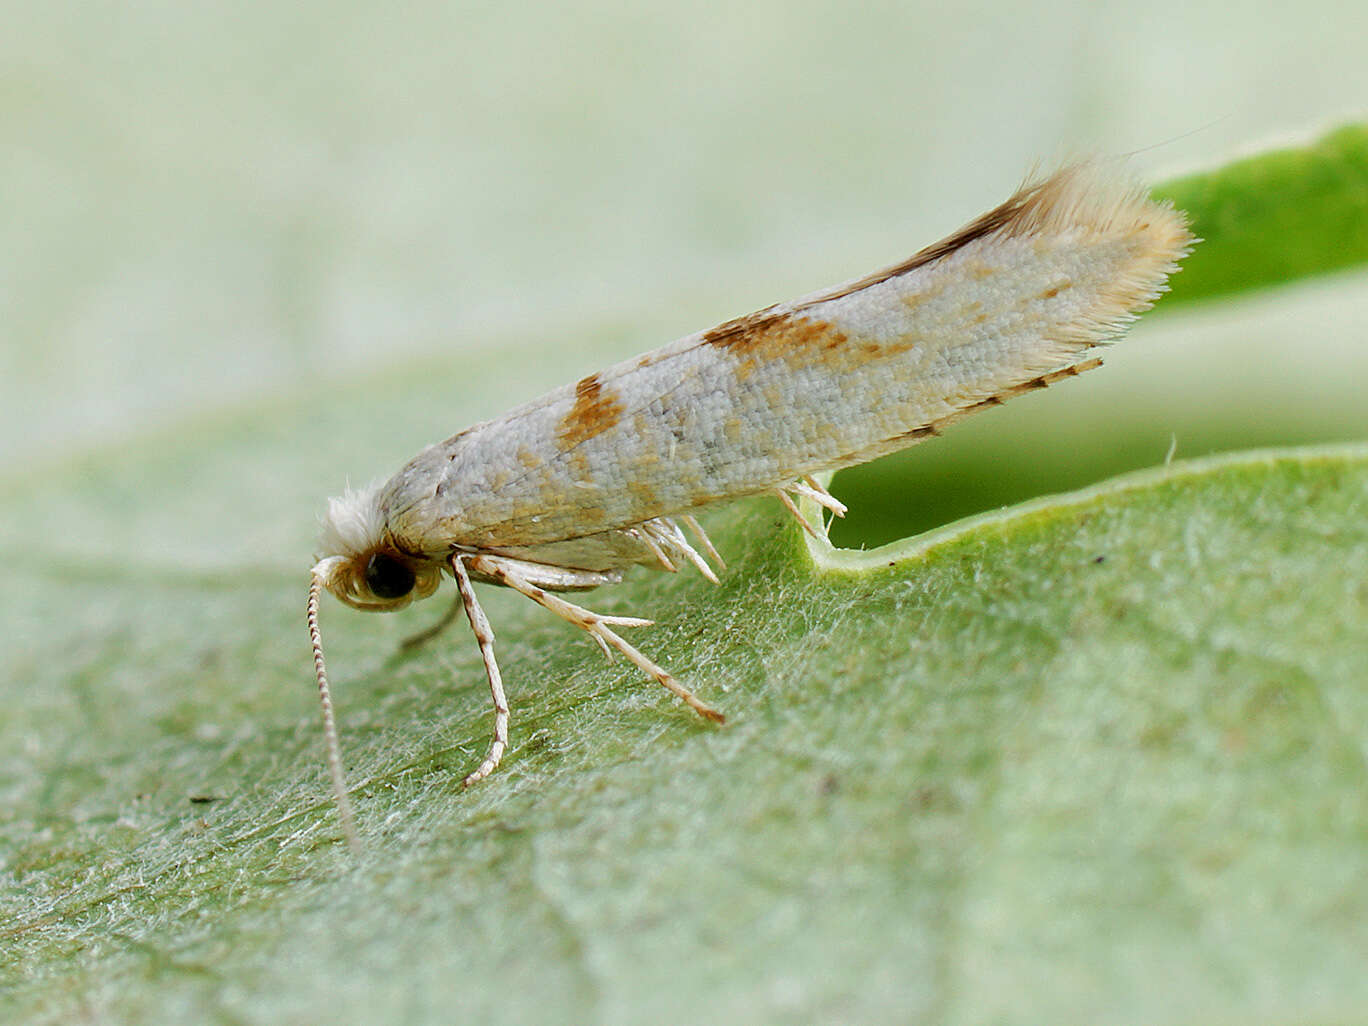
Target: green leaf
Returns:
[1103, 743]
[1096, 759]
[1275, 217]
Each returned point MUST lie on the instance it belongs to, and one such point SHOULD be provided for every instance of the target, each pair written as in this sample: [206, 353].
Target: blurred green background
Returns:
[247, 251]
[206, 204]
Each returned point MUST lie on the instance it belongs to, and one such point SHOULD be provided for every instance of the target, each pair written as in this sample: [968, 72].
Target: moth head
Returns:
[361, 565]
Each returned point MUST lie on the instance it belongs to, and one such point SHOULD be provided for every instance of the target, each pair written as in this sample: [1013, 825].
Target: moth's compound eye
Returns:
[387, 577]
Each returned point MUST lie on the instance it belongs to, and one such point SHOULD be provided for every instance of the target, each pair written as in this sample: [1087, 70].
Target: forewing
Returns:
[1010, 302]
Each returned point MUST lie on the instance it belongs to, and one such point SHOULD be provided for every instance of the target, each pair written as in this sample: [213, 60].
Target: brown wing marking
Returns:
[1010, 216]
[1038, 382]
[774, 334]
[596, 409]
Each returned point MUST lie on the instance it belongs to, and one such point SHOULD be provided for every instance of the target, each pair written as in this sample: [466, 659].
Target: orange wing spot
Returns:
[1050, 293]
[743, 331]
[768, 335]
[595, 411]
[529, 459]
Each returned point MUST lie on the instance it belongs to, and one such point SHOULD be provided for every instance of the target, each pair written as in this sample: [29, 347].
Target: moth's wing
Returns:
[606, 553]
[1010, 302]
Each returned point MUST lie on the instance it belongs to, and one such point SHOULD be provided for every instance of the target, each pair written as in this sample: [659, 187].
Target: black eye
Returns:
[387, 577]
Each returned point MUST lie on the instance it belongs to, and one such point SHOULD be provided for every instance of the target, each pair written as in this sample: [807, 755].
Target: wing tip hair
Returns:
[1102, 198]
[1095, 195]
[1098, 197]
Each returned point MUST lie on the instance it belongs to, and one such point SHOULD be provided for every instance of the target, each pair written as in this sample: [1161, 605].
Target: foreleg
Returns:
[484, 635]
[509, 573]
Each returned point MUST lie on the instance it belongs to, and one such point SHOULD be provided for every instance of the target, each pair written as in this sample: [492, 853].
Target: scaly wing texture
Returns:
[1010, 302]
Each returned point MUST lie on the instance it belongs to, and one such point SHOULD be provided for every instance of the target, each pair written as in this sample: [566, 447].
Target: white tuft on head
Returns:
[353, 523]
[353, 532]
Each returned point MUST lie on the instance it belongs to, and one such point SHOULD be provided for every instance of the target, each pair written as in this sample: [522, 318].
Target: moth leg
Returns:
[664, 533]
[596, 625]
[808, 488]
[792, 507]
[703, 539]
[428, 633]
[652, 542]
[484, 635]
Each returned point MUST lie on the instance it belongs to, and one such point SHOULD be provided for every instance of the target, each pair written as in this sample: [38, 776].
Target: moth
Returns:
[569, 491]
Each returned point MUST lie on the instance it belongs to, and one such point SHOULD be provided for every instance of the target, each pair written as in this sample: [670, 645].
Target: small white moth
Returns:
[568, 491]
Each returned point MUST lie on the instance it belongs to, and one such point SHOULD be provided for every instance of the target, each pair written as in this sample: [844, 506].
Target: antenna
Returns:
[339, 783]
